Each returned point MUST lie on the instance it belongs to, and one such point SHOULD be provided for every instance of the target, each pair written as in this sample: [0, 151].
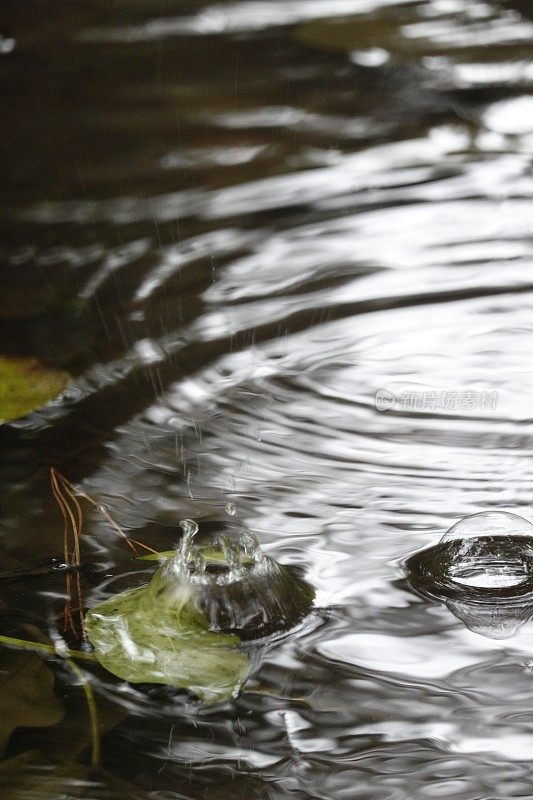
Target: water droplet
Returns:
[189, 528]
[231, 509]
[251, 546]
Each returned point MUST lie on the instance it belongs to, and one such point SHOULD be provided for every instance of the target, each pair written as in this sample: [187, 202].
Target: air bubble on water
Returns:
[489, 523]
[231, 509]
[482, 569]
[490, 550]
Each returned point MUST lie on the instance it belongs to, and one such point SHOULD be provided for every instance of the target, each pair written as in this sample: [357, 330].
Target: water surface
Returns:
[238, 224]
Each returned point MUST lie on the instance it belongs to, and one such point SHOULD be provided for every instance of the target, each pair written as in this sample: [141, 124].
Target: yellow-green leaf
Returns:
[140, 641]
[26, 385]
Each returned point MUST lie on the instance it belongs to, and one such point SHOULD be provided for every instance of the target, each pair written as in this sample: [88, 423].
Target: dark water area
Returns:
[285, 250]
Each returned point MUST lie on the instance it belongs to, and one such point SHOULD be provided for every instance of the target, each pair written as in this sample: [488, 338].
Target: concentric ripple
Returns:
[285, 250]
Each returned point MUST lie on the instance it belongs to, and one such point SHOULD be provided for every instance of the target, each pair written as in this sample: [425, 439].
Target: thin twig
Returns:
[45, 649]
[68, 620]
[66, 496]
[72, 557]
[77, 528]
[93, 714]
[132, 543]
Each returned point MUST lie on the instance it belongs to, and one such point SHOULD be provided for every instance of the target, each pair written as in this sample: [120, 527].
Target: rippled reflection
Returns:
[285, 250]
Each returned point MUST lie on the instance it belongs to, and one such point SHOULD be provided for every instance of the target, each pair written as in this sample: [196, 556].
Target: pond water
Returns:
[284, 248]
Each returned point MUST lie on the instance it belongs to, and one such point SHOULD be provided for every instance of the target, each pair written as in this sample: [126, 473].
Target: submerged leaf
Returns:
[27, 694]
[142, 641]
[26, 385]
[31, 775]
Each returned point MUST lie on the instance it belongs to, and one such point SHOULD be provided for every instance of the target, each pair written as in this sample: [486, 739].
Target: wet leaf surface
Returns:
[143, 642]
[26, 385]
[164, 555]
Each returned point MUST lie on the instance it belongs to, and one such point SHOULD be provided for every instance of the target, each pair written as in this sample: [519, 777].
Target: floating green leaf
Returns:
[186, 627]
[143, 641]
[26, 385]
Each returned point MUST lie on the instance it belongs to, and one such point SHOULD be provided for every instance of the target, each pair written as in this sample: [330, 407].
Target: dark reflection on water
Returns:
[285, 250]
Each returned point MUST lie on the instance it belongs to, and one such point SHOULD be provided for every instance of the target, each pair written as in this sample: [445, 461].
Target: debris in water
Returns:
[482, 569]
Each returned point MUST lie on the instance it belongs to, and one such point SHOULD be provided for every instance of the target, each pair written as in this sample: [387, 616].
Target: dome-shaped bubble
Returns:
[489, 523]
[482, 569]
[492, 550]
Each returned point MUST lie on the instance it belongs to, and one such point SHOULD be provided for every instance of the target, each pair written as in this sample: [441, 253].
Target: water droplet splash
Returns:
[189, 528]
[233, 584]
[482, 569]
[187, 626]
